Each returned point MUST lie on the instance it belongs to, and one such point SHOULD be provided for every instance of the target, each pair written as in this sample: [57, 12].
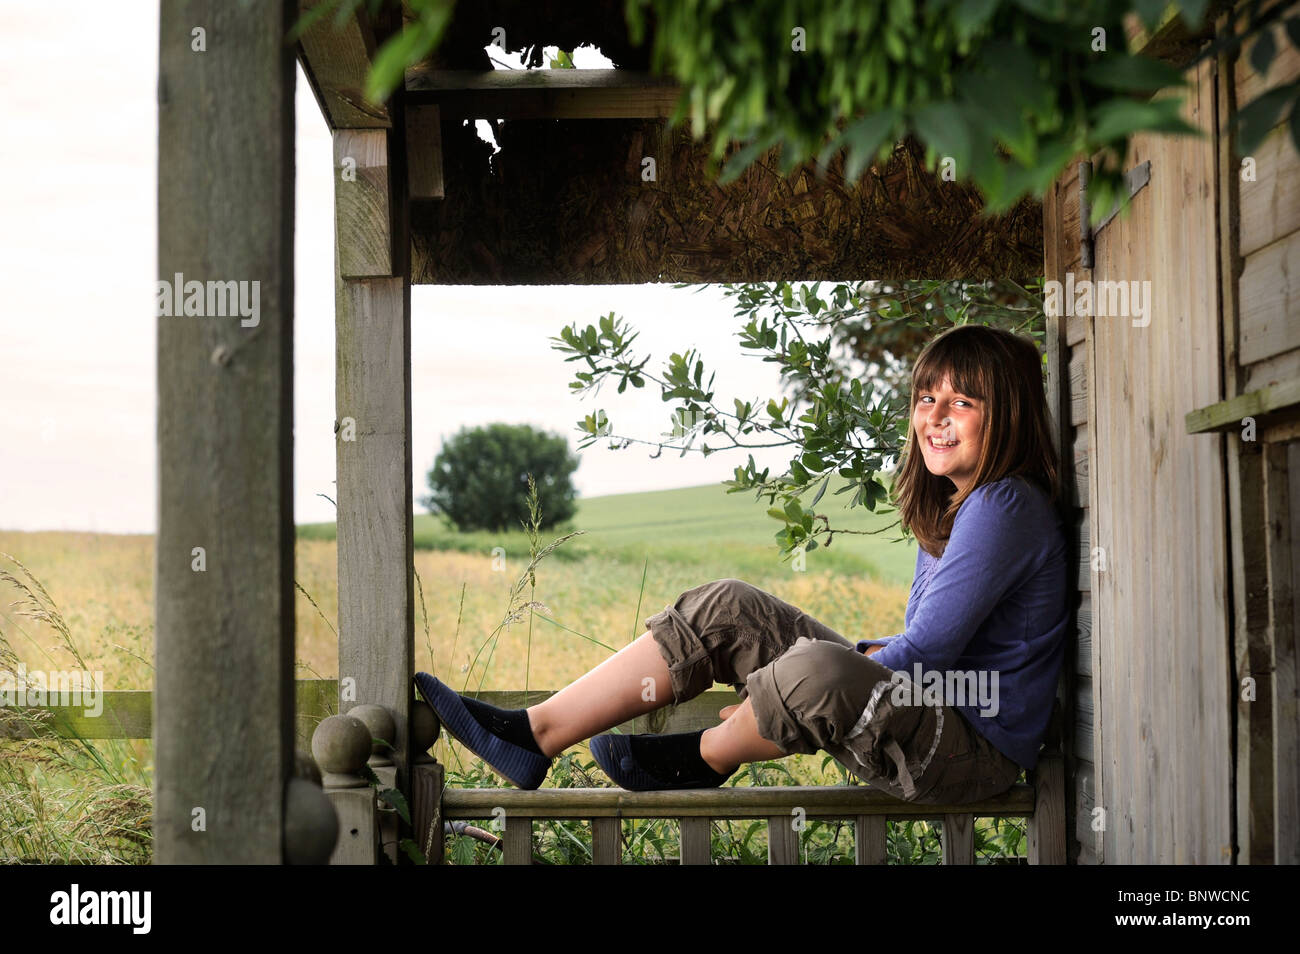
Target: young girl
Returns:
[948, 711]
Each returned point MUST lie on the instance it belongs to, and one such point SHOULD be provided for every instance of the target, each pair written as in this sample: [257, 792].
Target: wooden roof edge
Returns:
[1171, 41]
[335, 60]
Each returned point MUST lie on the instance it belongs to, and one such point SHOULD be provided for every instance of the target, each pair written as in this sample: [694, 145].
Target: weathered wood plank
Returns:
[1275, 370]
[518, 840]
[818, 801]
[1284, 68]
[1160, 672]
[1080, 468]
[1228, 415]
[335, 60]
[1270, 300]
[871, 833]
[225, 631]
[543, 94]
[695, 840]
[1083, 639]
[1282, 546]
[782, 840]
[958, 838]
[424, 152]
[1046, 828]
[1270, 203]
[1078, 386]
[362, 200]
[606, 841]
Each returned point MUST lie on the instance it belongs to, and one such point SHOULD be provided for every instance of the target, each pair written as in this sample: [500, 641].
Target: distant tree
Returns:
[479, 480]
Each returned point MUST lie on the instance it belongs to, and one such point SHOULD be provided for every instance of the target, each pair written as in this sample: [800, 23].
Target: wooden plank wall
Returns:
[1149, 756]
[1261, 331]
[1269, 286]
[1161, 683]
[1067, 395]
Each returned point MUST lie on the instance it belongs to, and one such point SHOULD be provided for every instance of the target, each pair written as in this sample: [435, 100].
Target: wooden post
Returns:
[373, 439]
[959, 839]
[427, 781]
[782, 840]
[341, 744]
[869, 840]
[224, 697]
[695, 840]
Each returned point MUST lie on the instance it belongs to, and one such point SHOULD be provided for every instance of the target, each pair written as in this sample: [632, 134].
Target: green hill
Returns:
[690, 525]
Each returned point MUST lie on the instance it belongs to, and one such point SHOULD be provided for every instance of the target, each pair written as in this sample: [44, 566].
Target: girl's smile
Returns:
[948, 425]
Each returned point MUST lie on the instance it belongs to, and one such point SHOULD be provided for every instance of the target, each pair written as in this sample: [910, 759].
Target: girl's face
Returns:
[942, 417]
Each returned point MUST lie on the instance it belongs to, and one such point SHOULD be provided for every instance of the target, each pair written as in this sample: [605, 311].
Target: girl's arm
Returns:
[994, 546]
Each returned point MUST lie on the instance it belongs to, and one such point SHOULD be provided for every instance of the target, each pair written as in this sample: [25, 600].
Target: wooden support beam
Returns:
[224, 692]
[1228, 415]
[362, 203]
[543, 94]
[335, 60]
[373, 437]
[424, 152]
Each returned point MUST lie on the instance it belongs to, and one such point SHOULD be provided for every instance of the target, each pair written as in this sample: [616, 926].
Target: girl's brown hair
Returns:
[1004, 373]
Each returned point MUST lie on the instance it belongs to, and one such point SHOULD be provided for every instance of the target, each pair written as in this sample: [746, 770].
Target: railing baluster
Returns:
[869, 840]
[695, 841]
[959, 839]
[519, 840]
[606, 841]
[782, 840]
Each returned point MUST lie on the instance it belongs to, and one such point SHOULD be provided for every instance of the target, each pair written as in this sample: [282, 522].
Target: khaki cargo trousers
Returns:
[812, 690]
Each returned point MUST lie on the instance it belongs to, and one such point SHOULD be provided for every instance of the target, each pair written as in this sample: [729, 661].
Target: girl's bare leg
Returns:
[630, 683]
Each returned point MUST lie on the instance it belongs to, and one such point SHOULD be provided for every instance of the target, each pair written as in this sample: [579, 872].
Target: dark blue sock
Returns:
[509, 724]
[674, 758]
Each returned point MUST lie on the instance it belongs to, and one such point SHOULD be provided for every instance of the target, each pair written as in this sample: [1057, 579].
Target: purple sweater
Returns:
[995, 602]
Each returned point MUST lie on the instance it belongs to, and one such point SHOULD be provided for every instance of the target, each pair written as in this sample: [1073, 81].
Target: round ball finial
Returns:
[379, 721]
[341, 745]
[311, 826]
[425, 727]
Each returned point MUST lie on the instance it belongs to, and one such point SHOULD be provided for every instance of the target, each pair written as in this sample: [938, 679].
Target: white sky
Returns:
[78, 262]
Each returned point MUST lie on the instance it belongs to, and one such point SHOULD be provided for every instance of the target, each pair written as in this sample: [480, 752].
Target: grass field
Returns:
[637, 552]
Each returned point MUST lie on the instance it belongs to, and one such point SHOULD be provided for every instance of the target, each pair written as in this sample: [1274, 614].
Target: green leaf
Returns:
[1261, 54]
[821, 490]
[778, 514]
[1120, 118]
[412, 851]
[864, 138]
[793, 510]
[1129, 72]
[1262, 115]
[395, 798]
[971, 15]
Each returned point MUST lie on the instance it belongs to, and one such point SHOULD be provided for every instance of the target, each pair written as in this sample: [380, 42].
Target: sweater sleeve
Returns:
[990, 551]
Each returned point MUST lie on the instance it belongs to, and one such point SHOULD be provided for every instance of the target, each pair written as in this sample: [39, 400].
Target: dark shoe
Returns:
[615, 754]
[521, 767]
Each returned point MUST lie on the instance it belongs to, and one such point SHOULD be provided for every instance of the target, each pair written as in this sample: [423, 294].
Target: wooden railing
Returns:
[342, 746]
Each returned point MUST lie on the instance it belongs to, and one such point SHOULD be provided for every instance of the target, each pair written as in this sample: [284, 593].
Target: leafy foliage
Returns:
[1007, 90]
[845, 359]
